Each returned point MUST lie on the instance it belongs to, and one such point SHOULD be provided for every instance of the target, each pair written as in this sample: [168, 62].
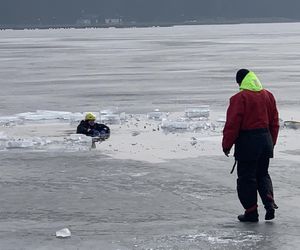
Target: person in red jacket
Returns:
[252, 126]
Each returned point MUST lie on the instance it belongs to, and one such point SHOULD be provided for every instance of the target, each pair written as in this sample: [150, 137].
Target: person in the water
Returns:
[90, 127]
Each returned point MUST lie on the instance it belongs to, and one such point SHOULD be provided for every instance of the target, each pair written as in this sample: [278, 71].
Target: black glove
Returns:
[226, 151]
[95, 133]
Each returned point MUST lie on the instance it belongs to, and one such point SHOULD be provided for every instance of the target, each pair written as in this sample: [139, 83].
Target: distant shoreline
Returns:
[148, 24]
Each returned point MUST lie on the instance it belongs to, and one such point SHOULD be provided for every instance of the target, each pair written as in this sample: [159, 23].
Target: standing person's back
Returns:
[252, 125]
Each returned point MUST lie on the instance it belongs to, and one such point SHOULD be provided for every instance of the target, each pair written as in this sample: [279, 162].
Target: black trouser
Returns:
[253, 176]
[253, 150]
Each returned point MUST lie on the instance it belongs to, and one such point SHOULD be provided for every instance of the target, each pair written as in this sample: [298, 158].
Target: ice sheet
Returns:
[137, 137]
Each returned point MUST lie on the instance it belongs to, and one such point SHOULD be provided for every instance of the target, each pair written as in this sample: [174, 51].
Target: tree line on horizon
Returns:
[28, 12]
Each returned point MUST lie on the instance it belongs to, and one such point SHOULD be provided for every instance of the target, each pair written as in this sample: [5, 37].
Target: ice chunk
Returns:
[42, 115]
[76, 117]
[63, 233]
[111, 116]
[19, 143]
[179, 124]
[10, 120]
[3, 140]
[292, 124]
[54, 115]
[79, 138]
[3, 136]
[37, 141]
[221, 119]
[135, 133]
[26, 142]
[157, 115]
[123, 116]
[39, 115]
[110, 119]
[109, 110]
[193, 141]
[189, 125]
[200, 125]
[197, 112]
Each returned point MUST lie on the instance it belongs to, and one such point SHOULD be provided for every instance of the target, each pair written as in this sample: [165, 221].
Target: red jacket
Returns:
[250, 110]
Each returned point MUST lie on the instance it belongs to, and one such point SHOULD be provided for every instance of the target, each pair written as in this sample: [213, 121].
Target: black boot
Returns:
[270, 214]
[249, 217]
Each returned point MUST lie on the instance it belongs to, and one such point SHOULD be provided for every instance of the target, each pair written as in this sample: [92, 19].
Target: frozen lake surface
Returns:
[149, 186]
[142, 69]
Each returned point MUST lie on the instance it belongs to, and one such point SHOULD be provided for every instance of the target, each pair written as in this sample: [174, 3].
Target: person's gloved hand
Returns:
[226, 151]
[104, 134]
[95, 133]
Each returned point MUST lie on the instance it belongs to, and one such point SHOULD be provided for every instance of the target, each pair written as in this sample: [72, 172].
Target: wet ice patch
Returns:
[138, 174]
[203, 240]
[241, 238]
